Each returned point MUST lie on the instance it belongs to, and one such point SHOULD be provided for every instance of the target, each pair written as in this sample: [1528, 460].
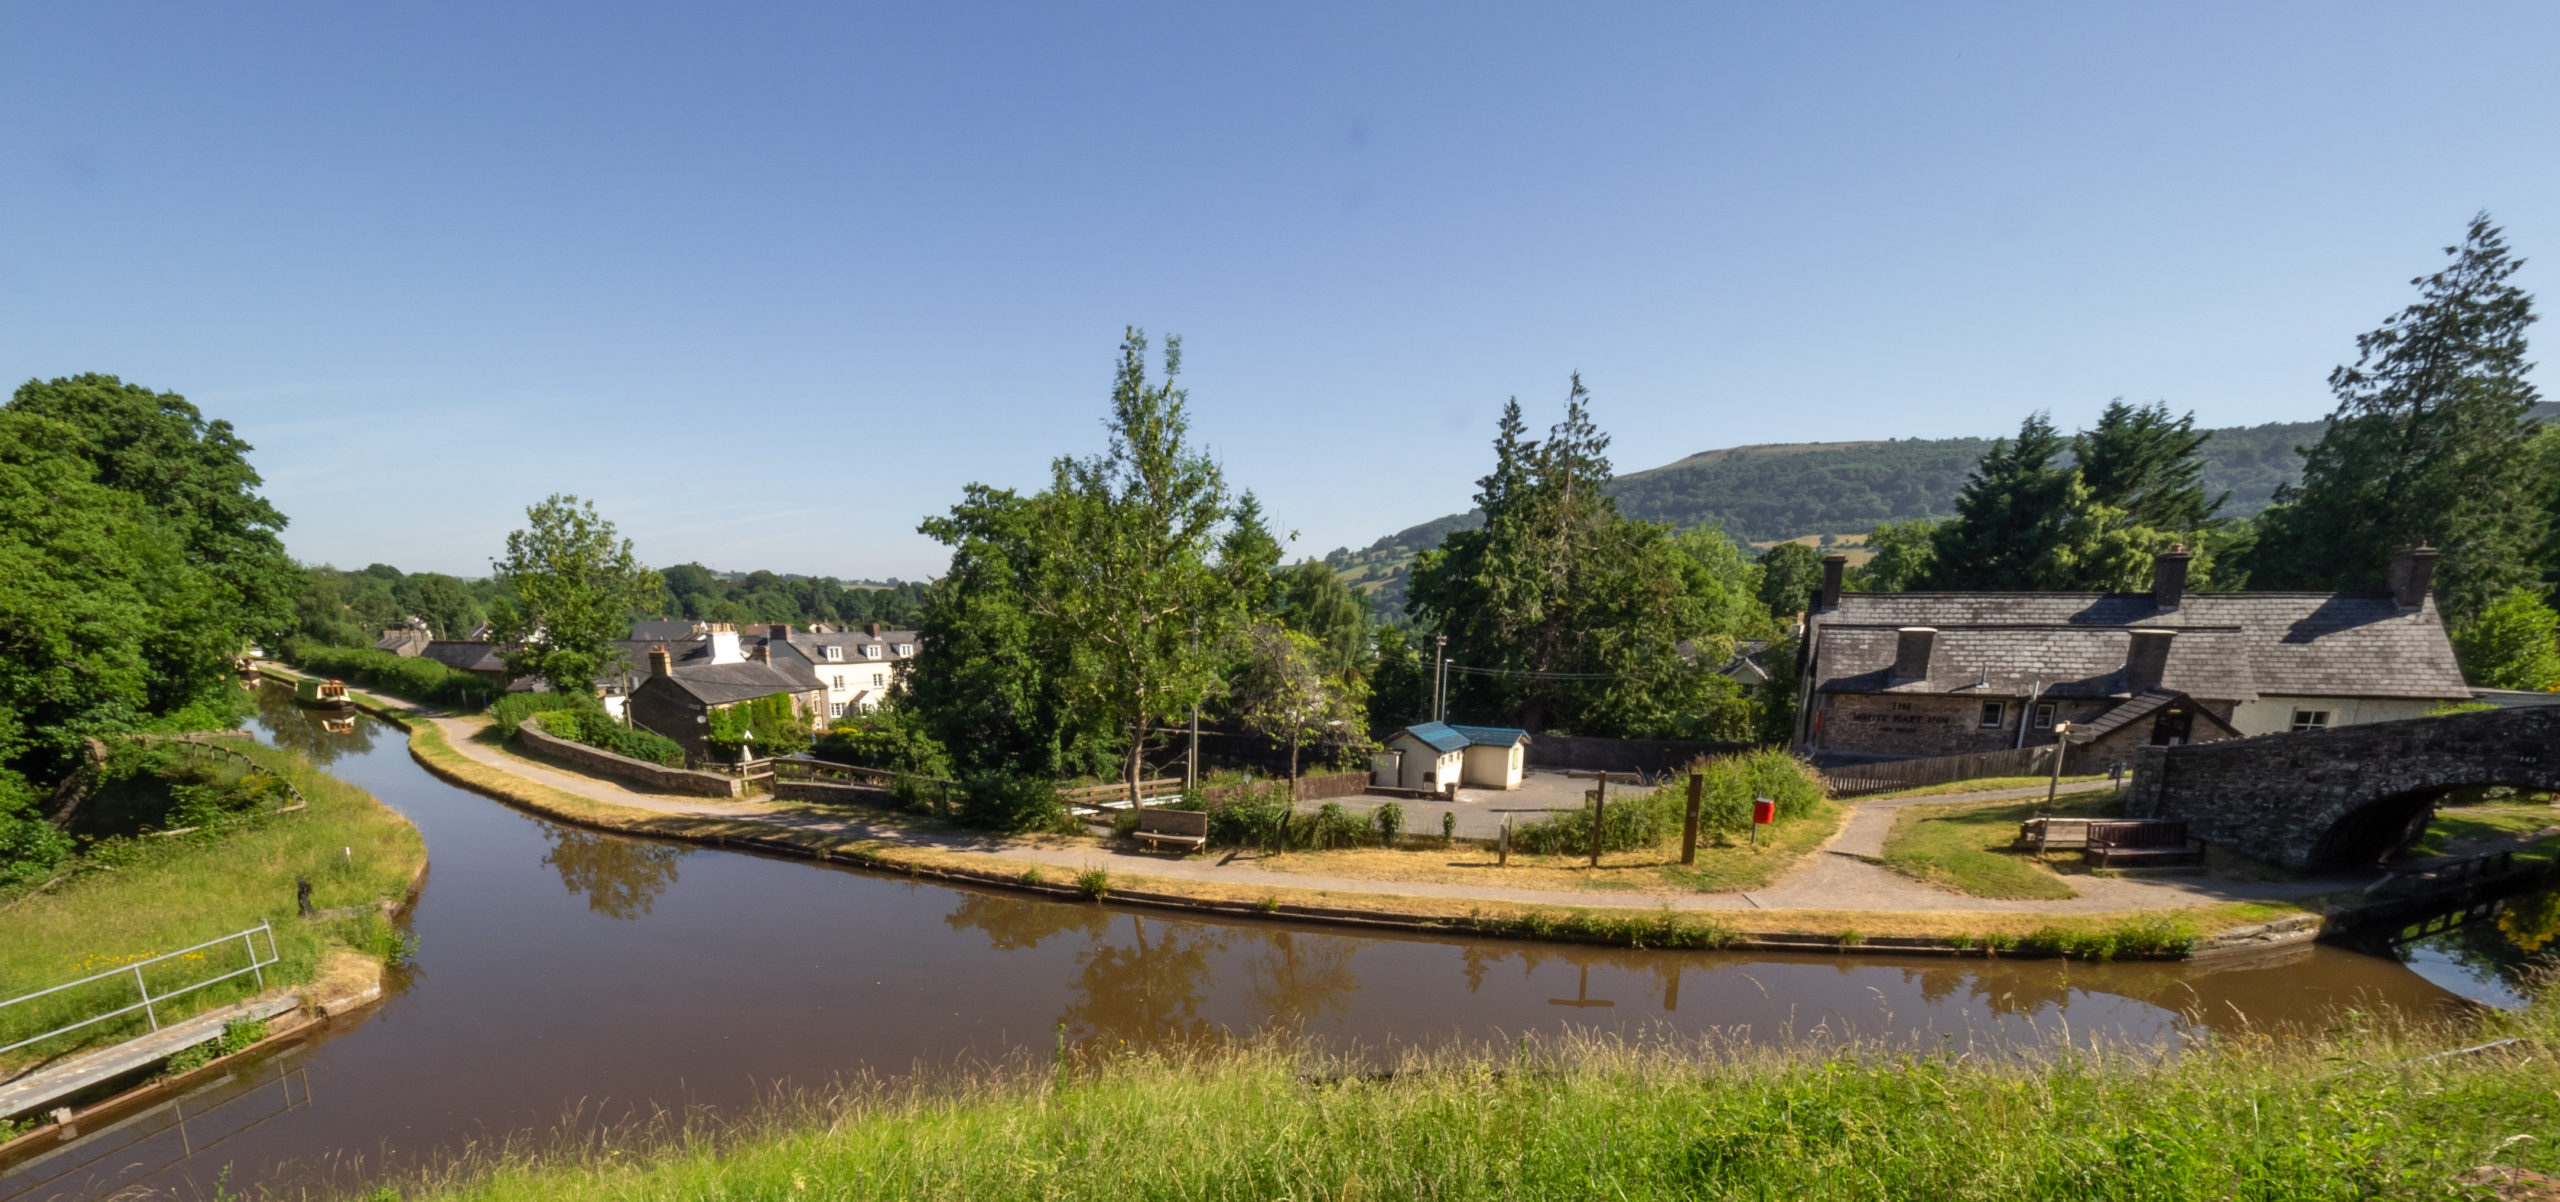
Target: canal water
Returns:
[563, 974]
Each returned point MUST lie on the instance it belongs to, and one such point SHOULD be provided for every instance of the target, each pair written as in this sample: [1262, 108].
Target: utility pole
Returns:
[1439, 676]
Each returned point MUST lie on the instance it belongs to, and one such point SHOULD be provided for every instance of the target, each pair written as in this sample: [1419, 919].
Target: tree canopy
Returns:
[2430, 442]
[576, 587]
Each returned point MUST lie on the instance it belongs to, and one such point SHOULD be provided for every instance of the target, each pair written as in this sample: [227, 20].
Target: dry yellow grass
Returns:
[1724, 866]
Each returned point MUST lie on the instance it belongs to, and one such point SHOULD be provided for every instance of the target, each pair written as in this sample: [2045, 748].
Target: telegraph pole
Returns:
[1191, 762]
[1439, 676]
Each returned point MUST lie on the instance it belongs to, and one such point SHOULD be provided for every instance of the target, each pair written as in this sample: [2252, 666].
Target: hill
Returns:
[1775, 491]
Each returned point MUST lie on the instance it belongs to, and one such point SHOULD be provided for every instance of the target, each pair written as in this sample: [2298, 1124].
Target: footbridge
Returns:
[2346, 797]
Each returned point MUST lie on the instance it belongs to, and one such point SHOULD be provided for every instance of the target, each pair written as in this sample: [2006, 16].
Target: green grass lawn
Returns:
[2474, 824]
[152, 895]
[1967, 847]
[1984, 784]
[2363, 1111]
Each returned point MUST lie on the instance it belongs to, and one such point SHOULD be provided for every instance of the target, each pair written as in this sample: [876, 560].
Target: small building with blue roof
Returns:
[1437, 757]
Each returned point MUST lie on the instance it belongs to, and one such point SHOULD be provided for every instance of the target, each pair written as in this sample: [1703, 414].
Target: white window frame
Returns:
[906, 649]
[1995, 714]
[2312, 719]
[835, 709]
[838, 684]
[871, 650]
[2044, 715]
[879, 680]
[835, 654]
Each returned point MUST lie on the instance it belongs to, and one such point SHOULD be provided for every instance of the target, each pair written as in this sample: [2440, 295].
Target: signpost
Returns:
[2061, 744]
[1600, 804]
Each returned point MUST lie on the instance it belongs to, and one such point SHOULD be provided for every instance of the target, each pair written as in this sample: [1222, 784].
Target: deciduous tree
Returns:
[577, 585]
[2513, 644]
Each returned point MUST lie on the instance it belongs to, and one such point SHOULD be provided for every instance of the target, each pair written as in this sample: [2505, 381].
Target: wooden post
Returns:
[1600, 804]
[1689, 826]
[2061, 744]
[1504, 852]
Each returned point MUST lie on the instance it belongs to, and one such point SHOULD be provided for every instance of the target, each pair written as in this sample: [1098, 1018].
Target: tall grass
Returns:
[141, 897]
[2349, 1116]
[1649, 819]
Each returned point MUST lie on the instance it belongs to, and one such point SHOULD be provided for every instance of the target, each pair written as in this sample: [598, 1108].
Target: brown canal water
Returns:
[565, 973]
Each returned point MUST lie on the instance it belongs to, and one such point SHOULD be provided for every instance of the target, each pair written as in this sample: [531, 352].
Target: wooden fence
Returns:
[1854, 779]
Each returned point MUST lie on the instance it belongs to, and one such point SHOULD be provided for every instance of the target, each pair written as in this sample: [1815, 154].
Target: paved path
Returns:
[1820, 882]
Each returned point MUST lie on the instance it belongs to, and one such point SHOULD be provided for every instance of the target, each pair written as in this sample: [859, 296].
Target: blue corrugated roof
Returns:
[1441, 736]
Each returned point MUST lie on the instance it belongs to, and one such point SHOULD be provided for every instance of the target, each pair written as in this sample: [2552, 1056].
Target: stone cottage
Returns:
[677, 699]
[1902, 675]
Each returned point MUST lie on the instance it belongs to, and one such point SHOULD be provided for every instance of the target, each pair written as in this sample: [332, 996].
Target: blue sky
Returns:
[771, 287]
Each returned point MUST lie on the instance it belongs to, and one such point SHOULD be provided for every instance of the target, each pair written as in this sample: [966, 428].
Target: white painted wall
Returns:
[1426, 768]
[2272, 714]
[1494, 767]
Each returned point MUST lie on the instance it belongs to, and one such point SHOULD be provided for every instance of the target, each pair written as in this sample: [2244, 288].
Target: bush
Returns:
[512, 709]
[1011, 801]
[892, 741]
[412, 678]
[1390, 820]
[30, 847]
[1647, 819]
[777, 724]
[589, 724]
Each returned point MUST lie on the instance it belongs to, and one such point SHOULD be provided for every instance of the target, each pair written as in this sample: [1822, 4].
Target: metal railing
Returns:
[150, 1003]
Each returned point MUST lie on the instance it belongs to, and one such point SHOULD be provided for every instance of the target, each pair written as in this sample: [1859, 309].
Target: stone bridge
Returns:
[2346, 797]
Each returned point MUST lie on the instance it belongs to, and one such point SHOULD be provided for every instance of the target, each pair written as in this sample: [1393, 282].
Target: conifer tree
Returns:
[2429, 443]
[2147, 463]
[2015, 511]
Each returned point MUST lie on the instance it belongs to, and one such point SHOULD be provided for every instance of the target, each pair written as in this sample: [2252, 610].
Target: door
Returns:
[2173, 726]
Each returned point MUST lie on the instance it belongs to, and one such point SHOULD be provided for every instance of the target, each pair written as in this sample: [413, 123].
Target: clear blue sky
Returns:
[771, 287]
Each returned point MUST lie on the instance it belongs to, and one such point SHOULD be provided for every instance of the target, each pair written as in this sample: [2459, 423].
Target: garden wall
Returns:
[1653, 757]
[605, 763]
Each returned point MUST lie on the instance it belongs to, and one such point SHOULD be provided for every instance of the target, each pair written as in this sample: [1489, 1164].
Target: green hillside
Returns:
[1788, 490]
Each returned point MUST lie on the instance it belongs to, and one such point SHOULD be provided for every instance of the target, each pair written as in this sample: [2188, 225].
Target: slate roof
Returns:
[2229, 647]
[660, 630]
[464, 655]
[2149, 702]
[1444, 737]
[724, 684]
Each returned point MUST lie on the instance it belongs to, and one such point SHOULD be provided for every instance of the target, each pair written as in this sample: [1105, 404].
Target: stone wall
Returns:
[1310, 788]
[1652, 757]
[649, 776]
[2340, 797]
[1915, 724]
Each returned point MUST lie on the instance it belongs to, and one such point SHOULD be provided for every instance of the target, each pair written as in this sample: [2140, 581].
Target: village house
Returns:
[857, 666]
[676, 699]
[407, 639]
[1435, 757]
[1902, 675]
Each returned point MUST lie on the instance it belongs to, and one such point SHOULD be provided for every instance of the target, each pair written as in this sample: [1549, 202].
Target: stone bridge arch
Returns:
[2343, 797]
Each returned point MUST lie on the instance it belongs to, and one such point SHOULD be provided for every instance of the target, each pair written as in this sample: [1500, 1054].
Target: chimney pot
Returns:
[872, 629]
[1833, 566]
[763, 653]
[2146, 660]
[2169, 577]
[658, 661]
[2413, 569]
[1911, 652]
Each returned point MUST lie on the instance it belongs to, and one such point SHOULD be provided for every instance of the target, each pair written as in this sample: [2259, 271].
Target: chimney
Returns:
[872, 629]
[2169, 577]
[659, 663]
[762, 654]
[2412, 570]
[780, 630]
[2146, 662]
[1832, 567]
[1911, 652]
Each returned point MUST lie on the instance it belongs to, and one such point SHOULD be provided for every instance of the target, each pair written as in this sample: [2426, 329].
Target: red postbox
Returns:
[1763, 811]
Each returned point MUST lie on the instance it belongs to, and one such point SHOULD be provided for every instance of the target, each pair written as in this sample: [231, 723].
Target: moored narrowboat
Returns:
[322, 695]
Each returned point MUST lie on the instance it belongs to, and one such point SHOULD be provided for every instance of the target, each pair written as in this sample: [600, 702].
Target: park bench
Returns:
[2141, 841]
[2054, 834]
[1186, 829]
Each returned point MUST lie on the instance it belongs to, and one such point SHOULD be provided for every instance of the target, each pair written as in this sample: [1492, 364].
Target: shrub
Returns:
[777, 724]
[589, 724]
[511, 710]
[1094, 883]
[1390, 820]
[413, 678]
[1448, 826]
[1332, 826]
[1647, 819]
[1011, 801]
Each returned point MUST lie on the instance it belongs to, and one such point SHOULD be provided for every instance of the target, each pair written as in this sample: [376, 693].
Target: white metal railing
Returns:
[149, 1005]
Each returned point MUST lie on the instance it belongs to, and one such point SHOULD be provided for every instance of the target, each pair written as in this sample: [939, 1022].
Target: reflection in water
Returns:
[622, 878]
[320, 738]
[1147, 990]
[2500, 961]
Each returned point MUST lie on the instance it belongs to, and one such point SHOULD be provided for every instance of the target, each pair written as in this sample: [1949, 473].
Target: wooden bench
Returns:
[1186, 829]
[2141, 841]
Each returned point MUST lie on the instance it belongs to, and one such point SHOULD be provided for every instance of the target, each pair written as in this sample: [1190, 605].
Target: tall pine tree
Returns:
[2146, 463]
[2014, 512]
[2429, 443]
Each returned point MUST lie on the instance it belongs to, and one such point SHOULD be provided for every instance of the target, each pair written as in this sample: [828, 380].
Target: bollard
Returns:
[1503, 852]
[302, 895]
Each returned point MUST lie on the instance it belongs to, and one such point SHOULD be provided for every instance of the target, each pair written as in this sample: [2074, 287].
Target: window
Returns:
[2044, 717]
[839, 682]
[2311, 719]
[1994, 713]
[871, 650]
[906, 649]
[834, 654]
[877, 681]
[835, 709]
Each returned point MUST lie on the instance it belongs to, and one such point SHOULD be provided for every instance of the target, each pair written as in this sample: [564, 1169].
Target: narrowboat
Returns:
[322, 695]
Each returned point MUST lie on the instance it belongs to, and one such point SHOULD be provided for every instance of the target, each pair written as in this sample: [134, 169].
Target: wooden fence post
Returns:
[1689, 827]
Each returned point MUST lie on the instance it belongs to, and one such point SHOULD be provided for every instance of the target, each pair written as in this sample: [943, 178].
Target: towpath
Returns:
[1838, 877]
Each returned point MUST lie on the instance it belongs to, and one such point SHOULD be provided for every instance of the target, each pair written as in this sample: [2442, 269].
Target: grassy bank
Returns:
[152, 895]
[1726, 862]
[2352, 1116]
[1969, 847]
[1980, 784]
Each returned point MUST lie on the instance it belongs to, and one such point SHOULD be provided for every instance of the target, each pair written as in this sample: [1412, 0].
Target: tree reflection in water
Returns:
[622, 878]
[296, 729]
[1147, 991]
[1298, 977]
